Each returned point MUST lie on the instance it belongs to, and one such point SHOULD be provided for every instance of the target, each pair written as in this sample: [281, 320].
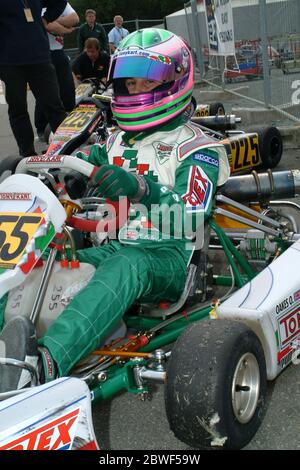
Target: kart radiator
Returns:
[256, 187]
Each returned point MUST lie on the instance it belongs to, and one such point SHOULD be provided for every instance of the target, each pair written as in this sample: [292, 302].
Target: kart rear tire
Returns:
[203, 375]
[8, 165]
[216, 109]
[270, 146]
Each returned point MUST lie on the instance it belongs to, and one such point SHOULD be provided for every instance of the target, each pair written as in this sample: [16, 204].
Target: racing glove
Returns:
[114, 182]
[97, 155]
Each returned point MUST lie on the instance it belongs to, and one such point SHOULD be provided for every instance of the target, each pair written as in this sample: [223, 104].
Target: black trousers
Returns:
[63, 70]
[43, 84]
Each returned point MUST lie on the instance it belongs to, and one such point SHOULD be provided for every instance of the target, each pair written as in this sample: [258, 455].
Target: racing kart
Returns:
[92, 122]
[233, 329]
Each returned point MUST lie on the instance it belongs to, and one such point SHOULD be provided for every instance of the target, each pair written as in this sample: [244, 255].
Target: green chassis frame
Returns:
[121, 377]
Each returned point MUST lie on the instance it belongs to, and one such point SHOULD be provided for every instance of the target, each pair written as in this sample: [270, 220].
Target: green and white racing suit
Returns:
[185, 166]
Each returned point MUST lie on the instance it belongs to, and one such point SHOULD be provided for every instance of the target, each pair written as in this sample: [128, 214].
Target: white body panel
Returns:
[54, 416]
[270, 306]
[63, 285]
[25, 193]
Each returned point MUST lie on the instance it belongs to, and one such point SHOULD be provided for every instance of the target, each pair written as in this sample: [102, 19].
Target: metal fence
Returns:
[266, 64]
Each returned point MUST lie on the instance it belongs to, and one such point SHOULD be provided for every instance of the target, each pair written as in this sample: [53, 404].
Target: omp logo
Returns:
[45, 159]
[55, 435]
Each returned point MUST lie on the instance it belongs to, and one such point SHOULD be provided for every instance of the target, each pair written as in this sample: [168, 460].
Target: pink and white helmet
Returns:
[153, 54]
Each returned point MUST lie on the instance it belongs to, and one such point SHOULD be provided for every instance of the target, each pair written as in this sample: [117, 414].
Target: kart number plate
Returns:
[16, 231]
[244, 152]
[81, 89]
[202, 110]
[78, 119]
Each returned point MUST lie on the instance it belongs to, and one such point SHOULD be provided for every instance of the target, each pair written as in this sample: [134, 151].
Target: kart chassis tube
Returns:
[35, 164]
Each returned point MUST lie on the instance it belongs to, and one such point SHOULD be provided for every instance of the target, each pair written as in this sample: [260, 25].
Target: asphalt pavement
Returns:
[126, 423]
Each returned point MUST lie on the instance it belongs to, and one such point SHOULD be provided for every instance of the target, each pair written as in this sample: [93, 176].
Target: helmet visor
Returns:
[141, 64]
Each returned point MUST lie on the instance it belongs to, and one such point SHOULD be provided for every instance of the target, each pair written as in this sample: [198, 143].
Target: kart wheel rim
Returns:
[245, 388]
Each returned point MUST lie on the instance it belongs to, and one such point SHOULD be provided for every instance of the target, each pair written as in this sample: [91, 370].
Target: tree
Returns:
[129, 9]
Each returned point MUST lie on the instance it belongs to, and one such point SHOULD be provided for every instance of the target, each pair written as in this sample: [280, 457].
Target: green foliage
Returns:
[129, 9]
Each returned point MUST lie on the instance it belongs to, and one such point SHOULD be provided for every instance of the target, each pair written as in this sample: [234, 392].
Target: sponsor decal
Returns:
[205, 158]
[15, 196]
[284, 357]
[297, 295]
[290, 301]
[147, 55]
[94, 124]
[111, 140]
[54, 148]
[58, 434]
[289, 326]
[199, 190]
[132, 235]
[45, 159]
[202, 110]
[163, 151]
[288, 321]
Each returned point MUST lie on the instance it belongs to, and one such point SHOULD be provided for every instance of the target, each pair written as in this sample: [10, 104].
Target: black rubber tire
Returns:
[190, 110]
[270, 146]
[8, 165]
[199, 385]
[216, 109]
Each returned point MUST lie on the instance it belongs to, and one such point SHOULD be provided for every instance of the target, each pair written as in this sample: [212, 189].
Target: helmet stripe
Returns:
[126, 119]
[150, 111]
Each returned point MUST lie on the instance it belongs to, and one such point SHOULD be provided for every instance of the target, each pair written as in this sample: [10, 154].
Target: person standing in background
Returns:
[25, 59]
[116, 34]
[56, 30]
[91, 29]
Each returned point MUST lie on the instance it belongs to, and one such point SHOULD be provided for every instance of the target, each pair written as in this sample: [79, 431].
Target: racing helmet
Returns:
[153, 54]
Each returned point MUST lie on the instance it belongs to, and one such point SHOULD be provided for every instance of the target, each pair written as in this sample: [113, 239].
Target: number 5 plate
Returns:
[16, 231]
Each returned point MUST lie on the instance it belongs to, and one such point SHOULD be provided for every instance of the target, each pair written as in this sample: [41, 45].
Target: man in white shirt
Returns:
[116, 34]
[56, 31]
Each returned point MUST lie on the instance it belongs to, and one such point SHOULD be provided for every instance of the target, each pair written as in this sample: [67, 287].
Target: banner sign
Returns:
[220, 31]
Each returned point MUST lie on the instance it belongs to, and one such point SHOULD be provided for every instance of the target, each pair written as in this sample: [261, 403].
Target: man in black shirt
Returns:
[92, 62]
[91, 29]
[25, 59]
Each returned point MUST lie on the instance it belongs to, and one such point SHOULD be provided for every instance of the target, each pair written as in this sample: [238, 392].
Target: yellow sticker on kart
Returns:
[202, 110]
[77, 119]
[244, 152]
[81, 89]
[16, 231]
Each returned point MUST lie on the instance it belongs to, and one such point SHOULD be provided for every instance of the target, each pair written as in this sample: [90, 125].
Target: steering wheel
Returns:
[41, 164]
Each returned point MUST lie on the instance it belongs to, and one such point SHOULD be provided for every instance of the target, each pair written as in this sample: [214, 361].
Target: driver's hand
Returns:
[114, 182]
[94, 157]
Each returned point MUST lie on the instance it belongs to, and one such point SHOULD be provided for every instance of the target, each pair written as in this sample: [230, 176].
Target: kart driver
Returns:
[156, 159]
